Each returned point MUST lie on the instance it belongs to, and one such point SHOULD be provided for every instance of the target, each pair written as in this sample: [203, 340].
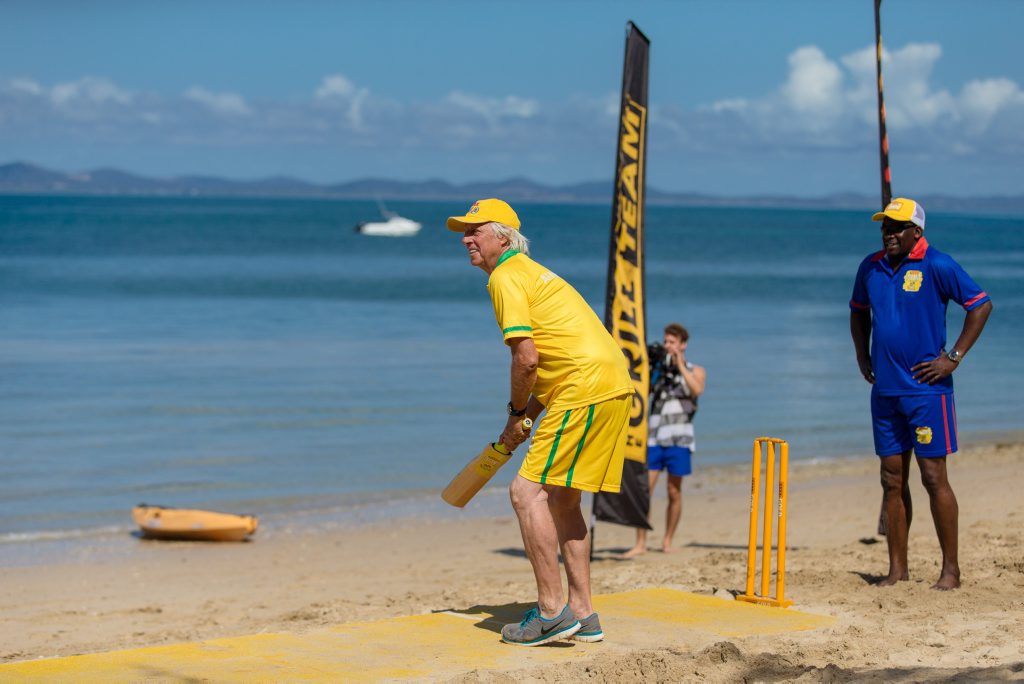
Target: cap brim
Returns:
[881, 216]
[459, 223]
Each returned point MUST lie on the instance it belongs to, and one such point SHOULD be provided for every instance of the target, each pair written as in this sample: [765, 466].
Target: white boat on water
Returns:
[393, 225]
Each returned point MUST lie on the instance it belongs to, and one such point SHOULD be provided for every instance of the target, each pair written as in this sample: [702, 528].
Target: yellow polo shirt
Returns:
[580, 363]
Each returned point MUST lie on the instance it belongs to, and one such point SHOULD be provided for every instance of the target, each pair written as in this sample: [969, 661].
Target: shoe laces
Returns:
[530, 615]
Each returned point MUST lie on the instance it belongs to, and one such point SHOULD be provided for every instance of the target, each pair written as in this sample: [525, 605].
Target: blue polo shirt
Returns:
[908, 313]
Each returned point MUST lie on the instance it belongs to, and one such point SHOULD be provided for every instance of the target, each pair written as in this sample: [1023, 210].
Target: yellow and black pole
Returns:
[883, 138]
[883, 153]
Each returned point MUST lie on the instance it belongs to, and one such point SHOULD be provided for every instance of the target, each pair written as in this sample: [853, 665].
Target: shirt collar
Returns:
[919, 249]
[506, 256]
[916, 254]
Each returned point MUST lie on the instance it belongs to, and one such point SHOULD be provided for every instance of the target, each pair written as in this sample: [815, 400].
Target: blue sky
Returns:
[746, 96]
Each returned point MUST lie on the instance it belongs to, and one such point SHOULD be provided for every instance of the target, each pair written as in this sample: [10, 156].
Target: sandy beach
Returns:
[288, 581]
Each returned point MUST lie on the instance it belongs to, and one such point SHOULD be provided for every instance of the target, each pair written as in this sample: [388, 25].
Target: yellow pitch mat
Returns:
[431, 646]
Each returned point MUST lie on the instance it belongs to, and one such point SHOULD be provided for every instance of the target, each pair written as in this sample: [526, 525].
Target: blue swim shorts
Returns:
[924, 422]
[676, 459]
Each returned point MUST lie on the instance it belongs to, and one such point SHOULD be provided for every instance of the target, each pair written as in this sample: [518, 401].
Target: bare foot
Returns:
[893, 579]
[947, 582]
[667, 549]
[635, 551]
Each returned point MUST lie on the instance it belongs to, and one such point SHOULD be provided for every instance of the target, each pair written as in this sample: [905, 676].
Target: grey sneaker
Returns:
[535, 630]
[590, 629]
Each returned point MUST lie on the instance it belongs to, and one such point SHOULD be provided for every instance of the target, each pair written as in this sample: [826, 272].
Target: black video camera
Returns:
[656, 353]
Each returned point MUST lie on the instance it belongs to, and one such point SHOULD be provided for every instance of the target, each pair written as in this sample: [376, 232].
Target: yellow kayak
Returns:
[159, 522]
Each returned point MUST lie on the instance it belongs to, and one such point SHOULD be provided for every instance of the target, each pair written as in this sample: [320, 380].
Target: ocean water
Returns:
[260, 356]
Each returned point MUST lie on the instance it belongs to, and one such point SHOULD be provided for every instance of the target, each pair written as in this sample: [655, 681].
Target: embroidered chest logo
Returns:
[912, 281]
[924, 435]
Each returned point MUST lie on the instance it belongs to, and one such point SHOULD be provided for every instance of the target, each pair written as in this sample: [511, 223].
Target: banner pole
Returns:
[883, 154]
[883, 138]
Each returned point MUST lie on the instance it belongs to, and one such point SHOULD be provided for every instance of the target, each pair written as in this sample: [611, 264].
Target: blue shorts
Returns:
[676, 459]
[924, 422]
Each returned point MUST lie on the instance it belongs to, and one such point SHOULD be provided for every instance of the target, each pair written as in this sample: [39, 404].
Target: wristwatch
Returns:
[954, 356]
[513, 411]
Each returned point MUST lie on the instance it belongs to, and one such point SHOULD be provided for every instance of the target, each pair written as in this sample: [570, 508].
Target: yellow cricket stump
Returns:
[766, 446]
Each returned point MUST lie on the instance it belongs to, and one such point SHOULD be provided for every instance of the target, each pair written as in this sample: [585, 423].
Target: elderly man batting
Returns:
[564, 362]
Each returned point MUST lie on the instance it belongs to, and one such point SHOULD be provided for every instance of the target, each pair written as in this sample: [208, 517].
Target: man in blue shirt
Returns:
[899, 306]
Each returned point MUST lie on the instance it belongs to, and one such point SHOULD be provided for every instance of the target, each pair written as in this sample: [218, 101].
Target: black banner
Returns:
[883, 138]
[625, 308]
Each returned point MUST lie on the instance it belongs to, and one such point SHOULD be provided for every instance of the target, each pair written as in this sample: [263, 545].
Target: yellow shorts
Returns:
[581, 448]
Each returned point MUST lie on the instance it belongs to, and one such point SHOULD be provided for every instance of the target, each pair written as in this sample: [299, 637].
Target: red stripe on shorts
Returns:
[945, 424]
[952, 408]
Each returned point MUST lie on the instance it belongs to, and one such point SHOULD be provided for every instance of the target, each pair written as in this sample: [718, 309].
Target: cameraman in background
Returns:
[675, 385]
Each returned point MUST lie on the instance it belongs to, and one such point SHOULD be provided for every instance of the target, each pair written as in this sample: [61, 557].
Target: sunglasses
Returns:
[893, 227]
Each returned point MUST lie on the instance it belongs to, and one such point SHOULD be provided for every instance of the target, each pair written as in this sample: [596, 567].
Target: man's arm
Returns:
[860, 331]
[695, 379]
[941, 366]
[523, 376]
[524, 369]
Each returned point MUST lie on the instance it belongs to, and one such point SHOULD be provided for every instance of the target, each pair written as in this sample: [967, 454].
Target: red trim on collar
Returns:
[919, 249]
[878, 256]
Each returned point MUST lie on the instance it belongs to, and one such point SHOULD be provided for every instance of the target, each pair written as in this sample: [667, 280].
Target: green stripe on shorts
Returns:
[579, 447]
[554, 448]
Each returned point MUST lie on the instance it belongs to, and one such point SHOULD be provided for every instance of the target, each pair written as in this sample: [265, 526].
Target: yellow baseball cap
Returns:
[485, 211]
[902, 209]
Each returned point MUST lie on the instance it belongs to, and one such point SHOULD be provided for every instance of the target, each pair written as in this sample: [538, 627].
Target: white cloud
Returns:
[914, 102]
[982, 100]
[26, 85]
[824, 108]
[612, 105]
[833, 103]
[815, 84]
[335, 85]
[229, 104]
[88, 90]
[492, 109]
[910, 100]
[735, 104]
[336, 89]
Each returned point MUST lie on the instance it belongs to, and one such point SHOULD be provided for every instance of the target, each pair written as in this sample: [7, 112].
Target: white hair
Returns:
[515, 239]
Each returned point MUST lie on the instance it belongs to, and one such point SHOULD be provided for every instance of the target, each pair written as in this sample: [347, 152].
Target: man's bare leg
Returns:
[881, 519]
[530, 502]
[945, 513]
[895, 472]
[640, 547]
[674, 511]
[574, 540]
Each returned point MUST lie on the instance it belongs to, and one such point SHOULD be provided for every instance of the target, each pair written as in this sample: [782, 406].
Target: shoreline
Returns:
[295, 581]
[45, 546]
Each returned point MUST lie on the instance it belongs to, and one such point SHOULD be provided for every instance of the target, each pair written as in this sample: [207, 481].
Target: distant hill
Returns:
[21, 178]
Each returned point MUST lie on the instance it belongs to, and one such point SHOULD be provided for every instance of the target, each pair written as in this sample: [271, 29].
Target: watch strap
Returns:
[513, 411]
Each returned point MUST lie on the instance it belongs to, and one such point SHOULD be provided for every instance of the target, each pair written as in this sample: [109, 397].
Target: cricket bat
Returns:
[478, 471]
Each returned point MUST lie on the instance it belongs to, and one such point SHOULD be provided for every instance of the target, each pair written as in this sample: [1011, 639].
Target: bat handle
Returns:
[500, 446]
